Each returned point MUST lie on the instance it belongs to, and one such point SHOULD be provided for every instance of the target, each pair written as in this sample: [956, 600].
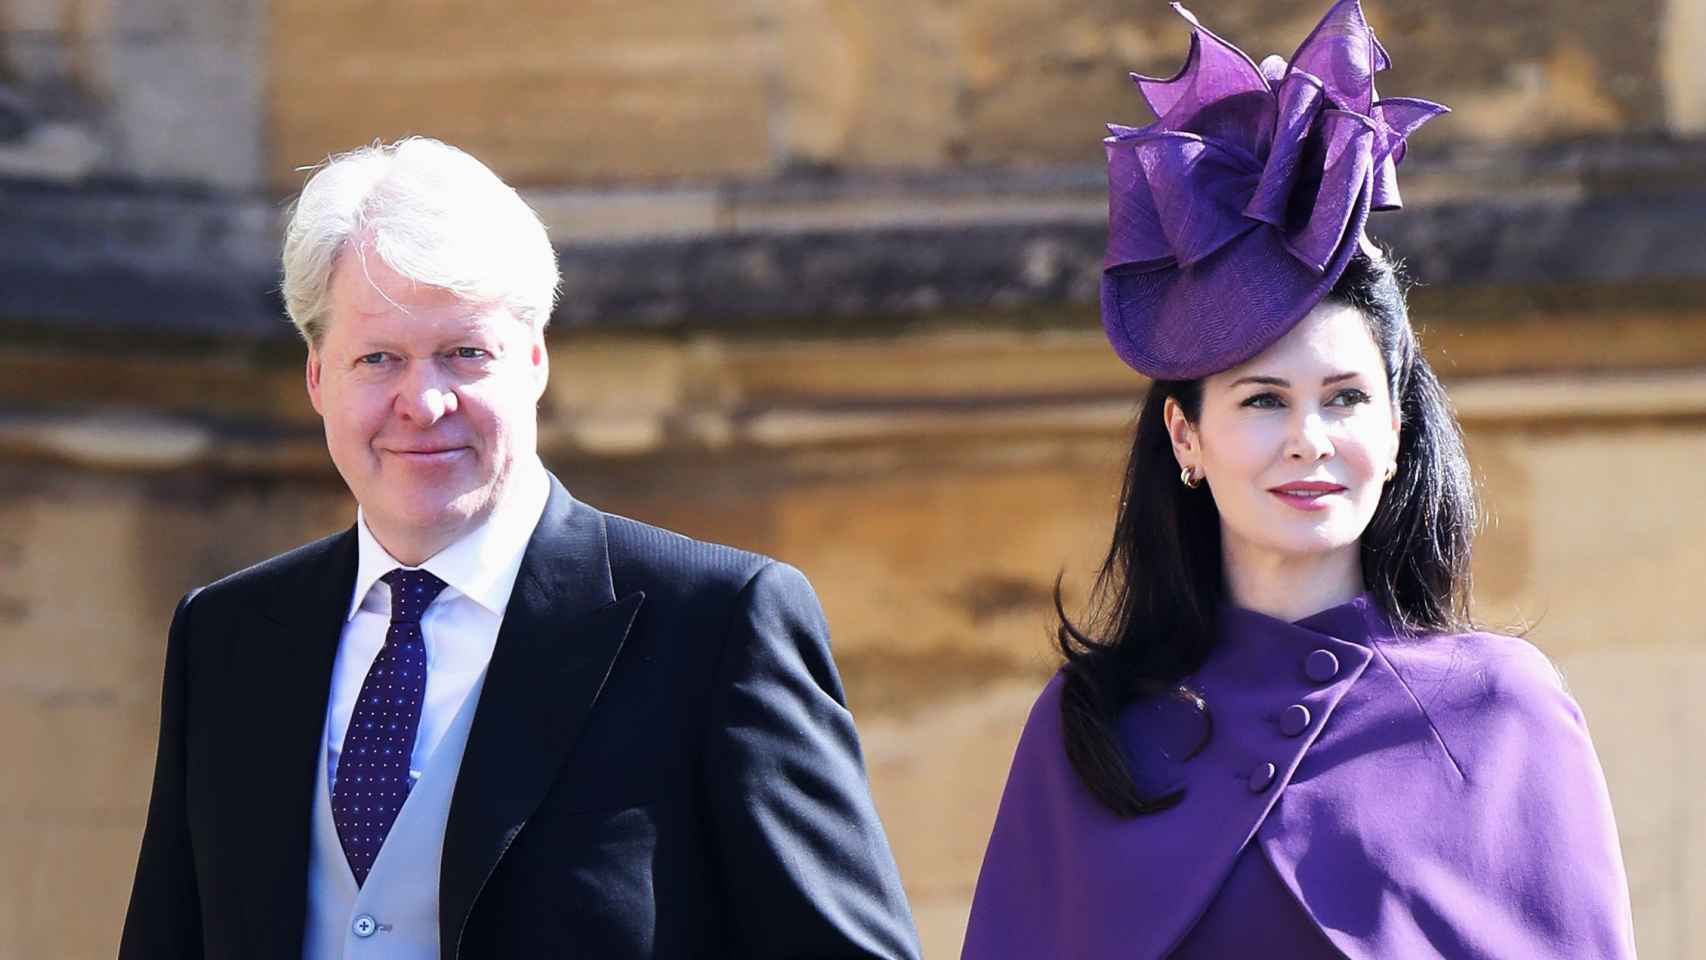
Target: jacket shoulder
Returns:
[258, 580]
[671, 566]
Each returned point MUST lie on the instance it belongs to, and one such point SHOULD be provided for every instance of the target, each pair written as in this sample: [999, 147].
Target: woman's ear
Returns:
[1186, 446]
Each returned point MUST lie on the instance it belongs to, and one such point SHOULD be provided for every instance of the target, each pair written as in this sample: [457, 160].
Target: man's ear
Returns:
[541, 365]
[312, 373]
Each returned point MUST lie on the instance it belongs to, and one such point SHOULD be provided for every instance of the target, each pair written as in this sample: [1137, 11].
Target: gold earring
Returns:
[1391, 472]
[1188, 477]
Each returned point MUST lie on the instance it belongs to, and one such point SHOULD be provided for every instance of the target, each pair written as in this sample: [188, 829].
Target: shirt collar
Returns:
[481, 565]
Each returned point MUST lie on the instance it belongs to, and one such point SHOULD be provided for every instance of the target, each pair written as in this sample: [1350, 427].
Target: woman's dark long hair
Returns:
[1155, 600]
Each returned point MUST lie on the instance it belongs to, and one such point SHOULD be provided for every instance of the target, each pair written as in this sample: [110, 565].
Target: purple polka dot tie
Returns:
[373, 770]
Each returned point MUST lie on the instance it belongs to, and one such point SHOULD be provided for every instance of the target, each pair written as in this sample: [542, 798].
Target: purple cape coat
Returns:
[1434, 796]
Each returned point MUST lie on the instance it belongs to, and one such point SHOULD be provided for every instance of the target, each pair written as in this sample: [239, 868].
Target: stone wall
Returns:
[777, 160]
[152, 90]
[756, 88]
[237, 94]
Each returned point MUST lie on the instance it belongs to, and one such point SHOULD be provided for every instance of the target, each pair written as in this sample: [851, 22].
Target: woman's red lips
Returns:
[1307, 495]
[1308, 486]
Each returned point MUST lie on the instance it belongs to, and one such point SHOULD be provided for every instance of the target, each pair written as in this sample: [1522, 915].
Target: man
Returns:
[490, 720]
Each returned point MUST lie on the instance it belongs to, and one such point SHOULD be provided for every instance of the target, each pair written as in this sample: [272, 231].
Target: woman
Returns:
[1280, 737]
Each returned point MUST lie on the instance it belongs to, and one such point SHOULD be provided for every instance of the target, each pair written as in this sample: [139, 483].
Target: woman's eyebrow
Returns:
[1282, 382]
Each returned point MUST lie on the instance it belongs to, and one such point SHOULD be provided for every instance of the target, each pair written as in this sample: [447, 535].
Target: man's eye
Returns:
[1264, 400]
[470, 353]
[370, 359]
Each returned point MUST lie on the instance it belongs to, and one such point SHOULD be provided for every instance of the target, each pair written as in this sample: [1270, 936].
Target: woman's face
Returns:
[1296, 443]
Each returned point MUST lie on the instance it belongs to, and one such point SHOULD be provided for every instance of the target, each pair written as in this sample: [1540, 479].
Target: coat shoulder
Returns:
[1478, 670]
[254, 583]
[674, 567]
[1040, 753]
[1045, 711]
[1481, 691]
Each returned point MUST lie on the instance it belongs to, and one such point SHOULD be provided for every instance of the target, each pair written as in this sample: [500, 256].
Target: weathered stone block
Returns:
[1683, 67]
[138, 549]
[939, 833]
[872, 84]
[542, 93]
[1643, 706]
[73, 620]
[189, 110]
[64, 884]
[1040, 80]
[34, 16]
[1626, 521]
[154, 90]
[237, 21]
[78, 754]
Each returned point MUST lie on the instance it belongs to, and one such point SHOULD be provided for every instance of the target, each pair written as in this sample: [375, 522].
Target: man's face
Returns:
[429, 402]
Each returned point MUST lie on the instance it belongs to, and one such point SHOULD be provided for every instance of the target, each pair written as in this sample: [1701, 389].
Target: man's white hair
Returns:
[433, 214]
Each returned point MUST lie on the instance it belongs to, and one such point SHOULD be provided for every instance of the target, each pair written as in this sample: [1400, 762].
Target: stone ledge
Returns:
[815, 248]
[121, 257]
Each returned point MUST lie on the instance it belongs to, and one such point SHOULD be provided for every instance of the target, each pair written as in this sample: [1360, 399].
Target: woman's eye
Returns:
[1350, 397]
[1264, 401]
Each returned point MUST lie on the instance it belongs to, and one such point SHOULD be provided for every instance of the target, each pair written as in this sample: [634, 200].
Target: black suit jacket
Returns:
[661, 764]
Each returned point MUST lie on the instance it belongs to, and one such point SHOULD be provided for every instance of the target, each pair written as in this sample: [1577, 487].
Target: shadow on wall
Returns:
[53, 116]
[14, 116]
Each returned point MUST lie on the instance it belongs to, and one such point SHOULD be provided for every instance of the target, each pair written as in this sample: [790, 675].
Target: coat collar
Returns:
[1246, 635]
[560, 637]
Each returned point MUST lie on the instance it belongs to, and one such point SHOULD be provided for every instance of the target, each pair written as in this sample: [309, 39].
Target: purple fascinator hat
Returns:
[1233, 214]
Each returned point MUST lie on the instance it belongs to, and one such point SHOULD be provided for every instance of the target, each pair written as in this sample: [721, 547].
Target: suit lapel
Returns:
[281, 673]
[560, 636]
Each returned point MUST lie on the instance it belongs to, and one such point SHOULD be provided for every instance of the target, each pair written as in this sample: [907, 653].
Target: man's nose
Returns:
[425, 397]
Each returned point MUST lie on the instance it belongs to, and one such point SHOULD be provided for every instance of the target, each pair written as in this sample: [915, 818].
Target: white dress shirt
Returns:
[460, 627]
